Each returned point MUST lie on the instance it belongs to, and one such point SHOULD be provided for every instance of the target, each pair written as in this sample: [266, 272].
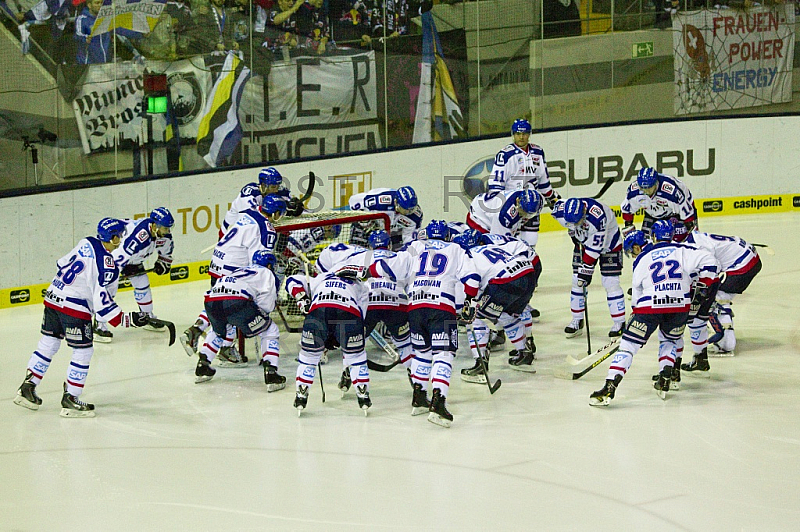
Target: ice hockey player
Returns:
[270, 181]
[522, 165]
[402, 207]
[388, 301]
[142, 239]
[663, 273]
[434, 270]
[334, 303]
[509, 270]
[595, 233]
[739, 263]
[78, 292]
[244, 298]
[663, 198]
[252, 232]
[504, 213]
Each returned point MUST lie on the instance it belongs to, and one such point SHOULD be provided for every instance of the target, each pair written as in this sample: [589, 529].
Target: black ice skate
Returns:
[535, 314]
[496, 339]
[189, 339]
[155, 327]
[229, 357]
[344, 381]
[675, 379]
[699, 365]
[203, 372]
[273, 381]
[419, 401]
[604, 395]
[438, 411]
[26, 395]
[364, 402]
[71, 406]
[102, 335]
[616, 329]
[476, 373]
[574, 328]
[522, 360]
[663, 383]
[301, 399]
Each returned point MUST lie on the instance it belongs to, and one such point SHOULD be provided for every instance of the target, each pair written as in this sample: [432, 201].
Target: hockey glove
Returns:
[700, 294]
[552, 200]
[304, 304]
[468, 311]
[353, 273]
[584, 276]
[628, 229]
[161, 267]
[135, 319]
[294, 207]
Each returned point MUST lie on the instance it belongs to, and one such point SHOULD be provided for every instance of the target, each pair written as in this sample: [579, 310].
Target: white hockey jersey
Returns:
[80, 288]
[599, 232]
[503, 263]
[672, 198]
[249, 198]
[328, 290]
[663, 274]
[734, 255]
[337, 255]
[384, 292]
[514, 168]
[382, 200]
[256, 283]
[496, 213]
[138, 244]
[305, 240]
[252, 232]
[433, 271]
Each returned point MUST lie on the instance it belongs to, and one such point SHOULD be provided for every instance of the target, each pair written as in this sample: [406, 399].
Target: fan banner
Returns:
[732, 59]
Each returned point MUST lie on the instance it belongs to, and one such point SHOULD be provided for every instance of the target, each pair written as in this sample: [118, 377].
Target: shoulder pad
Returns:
[250, 190]
[667, 188]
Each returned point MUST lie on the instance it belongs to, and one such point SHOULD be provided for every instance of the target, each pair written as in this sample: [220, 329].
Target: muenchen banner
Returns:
[729, 59]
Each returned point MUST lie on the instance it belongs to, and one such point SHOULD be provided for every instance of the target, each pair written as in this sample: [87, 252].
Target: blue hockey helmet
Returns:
[264, 258]
[108, 228]
[647, 178]
[634, 238]
[161, 216]
[530, 201]
[663, 231]
[379, 239]
[406, 198]
[269, 177]
[437, 230]
[468, 239]
[574, 210]
[273, 204]
[521, 125]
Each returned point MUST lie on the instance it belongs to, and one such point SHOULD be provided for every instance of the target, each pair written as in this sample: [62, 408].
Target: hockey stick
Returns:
[768, 249]
[383, 344]
[605, 188]
[164, 323]
[310, 190]
[209, 248]
[492, 387]
[574, 369]
[586, 318]
[286, 323]
[321, 386]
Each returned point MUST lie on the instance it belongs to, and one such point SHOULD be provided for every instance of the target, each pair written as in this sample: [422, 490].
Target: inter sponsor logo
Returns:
[758, 204]
[712, 206]
[20, 296]
[179, 273]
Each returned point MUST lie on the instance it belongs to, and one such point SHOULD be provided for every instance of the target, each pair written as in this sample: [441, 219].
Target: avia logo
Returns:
[712, 206]
[20, 296]
[179, 273]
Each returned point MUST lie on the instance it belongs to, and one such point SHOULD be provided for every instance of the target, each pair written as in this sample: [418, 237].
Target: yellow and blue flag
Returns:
[140, 16]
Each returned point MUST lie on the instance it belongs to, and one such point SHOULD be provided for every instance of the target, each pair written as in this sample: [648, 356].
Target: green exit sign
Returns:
[642, 49]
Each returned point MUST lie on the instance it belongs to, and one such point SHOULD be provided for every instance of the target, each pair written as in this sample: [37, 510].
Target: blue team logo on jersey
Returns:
[86, 250]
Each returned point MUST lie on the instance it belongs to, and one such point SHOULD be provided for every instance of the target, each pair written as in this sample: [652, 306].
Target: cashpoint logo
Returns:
[20, 296]
[712, 206]
[178, 273]
[796, 201]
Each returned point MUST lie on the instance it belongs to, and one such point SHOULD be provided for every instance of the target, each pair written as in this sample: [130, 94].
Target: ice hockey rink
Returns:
[163, 453]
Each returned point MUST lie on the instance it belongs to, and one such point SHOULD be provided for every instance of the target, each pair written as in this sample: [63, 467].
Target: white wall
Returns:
[752, 156]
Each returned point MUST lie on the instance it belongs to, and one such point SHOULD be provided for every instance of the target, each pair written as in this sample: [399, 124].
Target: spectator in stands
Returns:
[561, 19]
[97, 49]
[263, 7]
[212, 29]
[181, 13]
[312, 23]
[58, 12]
[281, 31]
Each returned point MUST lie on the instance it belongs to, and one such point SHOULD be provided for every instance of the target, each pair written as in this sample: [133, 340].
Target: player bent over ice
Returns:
[662, 197]
[334, 303]
[662, 293]
[433, 269]
[244, 299]
[79, 290]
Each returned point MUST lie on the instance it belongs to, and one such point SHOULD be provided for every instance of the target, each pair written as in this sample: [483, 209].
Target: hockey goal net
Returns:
[302, 239]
